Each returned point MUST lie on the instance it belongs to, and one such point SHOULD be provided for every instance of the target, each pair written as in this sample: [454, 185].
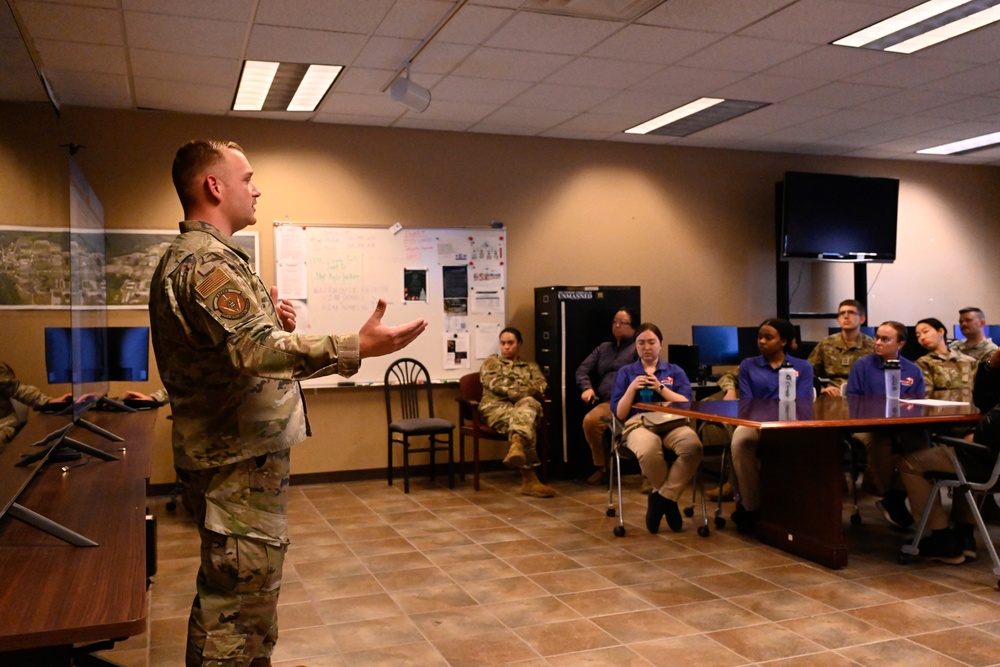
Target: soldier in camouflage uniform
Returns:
[943, 368]
[833, 357]
[13, 389]
[976, 345]
[230, 364]
[511, 405]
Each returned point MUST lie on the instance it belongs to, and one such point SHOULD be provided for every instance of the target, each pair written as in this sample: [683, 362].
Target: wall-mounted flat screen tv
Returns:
[838, 218]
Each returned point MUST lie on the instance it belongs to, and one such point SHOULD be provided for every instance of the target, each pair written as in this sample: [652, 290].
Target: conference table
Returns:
[801, 453]
[54, 594]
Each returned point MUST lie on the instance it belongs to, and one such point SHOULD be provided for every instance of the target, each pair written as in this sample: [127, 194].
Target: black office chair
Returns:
[405, 381]
[961, 486]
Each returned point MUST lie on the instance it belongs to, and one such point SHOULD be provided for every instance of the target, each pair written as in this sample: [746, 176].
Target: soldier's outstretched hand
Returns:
[377, 339]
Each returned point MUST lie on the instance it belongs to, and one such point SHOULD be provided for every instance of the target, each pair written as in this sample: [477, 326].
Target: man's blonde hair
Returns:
[191, 160]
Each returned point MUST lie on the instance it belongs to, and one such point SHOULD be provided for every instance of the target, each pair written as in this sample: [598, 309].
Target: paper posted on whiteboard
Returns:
[484, 303]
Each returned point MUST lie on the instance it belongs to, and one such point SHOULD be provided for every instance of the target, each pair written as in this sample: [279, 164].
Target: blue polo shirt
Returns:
[757, 379]
[669, 374]
[867, 378]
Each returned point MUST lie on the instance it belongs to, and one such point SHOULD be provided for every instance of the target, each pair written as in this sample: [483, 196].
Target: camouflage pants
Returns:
[241, 513]
[515, 419]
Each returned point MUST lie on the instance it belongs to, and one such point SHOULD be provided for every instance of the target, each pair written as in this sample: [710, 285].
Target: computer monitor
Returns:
[84, 355]
[717, 345]
[687, 357]
[747, 340]
[986, 331]
[868, 331]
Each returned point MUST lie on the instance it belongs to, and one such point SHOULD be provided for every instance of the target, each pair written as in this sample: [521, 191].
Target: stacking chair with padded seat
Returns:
[470, 389]
[620, 453]
[407, 387]
[962, 487]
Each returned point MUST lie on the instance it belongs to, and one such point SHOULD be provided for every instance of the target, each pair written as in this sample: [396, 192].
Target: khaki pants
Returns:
[594, 428]
[912, 467]
[648, 444]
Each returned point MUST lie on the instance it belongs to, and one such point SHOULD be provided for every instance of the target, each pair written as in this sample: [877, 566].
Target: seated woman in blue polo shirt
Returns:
[758, 378]
[867, 378]
[648, 434]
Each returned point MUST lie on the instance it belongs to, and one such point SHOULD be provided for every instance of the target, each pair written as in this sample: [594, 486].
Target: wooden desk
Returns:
[801, 460]
[54, 594]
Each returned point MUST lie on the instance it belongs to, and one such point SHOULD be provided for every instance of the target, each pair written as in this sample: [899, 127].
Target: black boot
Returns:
[673, 515]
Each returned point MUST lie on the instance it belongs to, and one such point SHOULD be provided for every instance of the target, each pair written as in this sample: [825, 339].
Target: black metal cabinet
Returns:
[569, 323]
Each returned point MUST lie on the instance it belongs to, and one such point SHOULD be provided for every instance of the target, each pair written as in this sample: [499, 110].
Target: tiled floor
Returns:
[440, 577]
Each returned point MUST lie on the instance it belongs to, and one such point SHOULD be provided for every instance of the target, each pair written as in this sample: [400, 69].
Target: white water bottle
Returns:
[786, 382]
[892, 379]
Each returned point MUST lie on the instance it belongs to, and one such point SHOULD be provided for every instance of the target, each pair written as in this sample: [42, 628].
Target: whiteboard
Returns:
[455, 278]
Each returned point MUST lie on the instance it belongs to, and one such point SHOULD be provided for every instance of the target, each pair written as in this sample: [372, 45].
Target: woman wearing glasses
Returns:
[649, 434]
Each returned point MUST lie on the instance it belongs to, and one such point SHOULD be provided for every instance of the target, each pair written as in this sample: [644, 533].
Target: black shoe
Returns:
[967, 538]
[893, 508]
[942, 545]
[745, 520]
[655, 509]
[673, 514]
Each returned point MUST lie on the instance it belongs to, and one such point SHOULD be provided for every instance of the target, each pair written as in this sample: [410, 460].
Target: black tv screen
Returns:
[838, 218]
[84, 355]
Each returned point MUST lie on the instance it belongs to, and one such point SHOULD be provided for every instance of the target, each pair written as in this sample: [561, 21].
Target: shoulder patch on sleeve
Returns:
[212, 283]
[231, 303]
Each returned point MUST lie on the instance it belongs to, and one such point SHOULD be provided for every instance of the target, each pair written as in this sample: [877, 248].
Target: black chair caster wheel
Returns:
[689, 512]
[855, 519]
[703, 531]
[619, 531]
[720, 522]
[610, 511]
[904, 559]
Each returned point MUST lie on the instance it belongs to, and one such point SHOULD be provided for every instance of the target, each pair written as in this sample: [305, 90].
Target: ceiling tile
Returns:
[712, 15]
[817, 21]
[536, 119]
[473, 24]
[984, 79]
[767, 88]
[910, 71]
[643, 43]
[507, 64]
[832, 62]
[379, 105]
[184, 67]
[71, 23]
[333, 15]
[602, 73]
[969, 108]
[297, 45]
[530, 31]
[469, 89]
[745, 54]
[413, 19]
[204, 37]
[101, 58]
[909, 102]
[186, 96]
[362, 80]
[68, 82]
[384, 52]
[690, 81]
[559, 96]
[18, 79]
[228, 10]
[440, 57]
[841, 95]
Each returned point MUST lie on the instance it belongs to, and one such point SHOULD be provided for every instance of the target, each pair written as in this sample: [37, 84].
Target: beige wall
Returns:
[693, 227]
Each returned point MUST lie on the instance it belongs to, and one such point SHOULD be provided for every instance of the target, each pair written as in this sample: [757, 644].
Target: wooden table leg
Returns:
[801, 493]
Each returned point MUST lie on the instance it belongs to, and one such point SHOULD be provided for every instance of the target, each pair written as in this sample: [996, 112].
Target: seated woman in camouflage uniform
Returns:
[943, 368]
[511, 405]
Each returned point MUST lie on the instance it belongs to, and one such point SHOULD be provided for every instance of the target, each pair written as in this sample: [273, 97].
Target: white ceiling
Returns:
[500, 68]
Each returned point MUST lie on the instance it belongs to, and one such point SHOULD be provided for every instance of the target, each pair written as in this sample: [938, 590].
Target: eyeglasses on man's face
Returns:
[621, 323]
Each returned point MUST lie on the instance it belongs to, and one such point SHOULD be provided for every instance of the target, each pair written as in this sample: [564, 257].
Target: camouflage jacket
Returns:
[13, 389]
[952, 371]
[978, 351]
[509, 381]
[230, 370]
[832, 358]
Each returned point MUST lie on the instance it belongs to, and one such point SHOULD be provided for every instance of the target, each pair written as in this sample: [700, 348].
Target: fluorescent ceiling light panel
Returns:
[963, 146]
[254, 84]
[947, 31]
[695, 116]
[271, 86]
[313, 87]
[675, 115]
[926, 24]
